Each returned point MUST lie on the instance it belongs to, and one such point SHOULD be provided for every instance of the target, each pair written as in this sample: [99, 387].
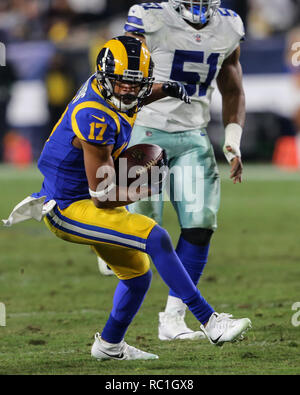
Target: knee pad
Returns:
[158, 239]
[197, 236]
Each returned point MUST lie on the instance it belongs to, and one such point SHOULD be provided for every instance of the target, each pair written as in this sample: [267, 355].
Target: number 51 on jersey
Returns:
[193, 79]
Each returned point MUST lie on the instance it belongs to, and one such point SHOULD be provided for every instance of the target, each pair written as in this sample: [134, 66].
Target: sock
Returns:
[175, 305]
[193, 258]
[173, 273]
[128, 298]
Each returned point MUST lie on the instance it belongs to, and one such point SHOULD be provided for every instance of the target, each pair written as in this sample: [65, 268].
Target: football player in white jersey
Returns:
[196, 43]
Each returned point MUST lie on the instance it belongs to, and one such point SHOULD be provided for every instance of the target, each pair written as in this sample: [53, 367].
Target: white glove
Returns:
[233, 135]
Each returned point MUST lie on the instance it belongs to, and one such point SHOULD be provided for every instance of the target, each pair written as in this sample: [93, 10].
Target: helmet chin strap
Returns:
[118, 103]
[114, 100]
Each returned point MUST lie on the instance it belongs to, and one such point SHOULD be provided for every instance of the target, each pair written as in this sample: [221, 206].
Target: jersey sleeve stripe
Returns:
[135, 20]
[129, 28]
[118, 152]
[92, 105]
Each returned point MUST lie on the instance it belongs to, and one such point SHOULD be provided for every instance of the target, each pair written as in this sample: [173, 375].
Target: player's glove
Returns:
[157, 184]
[164, 160]
[176, 89]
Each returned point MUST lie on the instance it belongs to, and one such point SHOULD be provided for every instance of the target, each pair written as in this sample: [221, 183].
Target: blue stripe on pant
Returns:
[94, 233]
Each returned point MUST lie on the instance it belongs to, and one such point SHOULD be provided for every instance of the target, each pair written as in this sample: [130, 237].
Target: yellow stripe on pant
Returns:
[115, 235]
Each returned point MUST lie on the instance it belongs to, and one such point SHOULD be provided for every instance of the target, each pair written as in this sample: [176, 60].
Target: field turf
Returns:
[56, 299]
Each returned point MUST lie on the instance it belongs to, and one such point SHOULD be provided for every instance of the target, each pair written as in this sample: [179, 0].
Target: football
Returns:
[137, 161]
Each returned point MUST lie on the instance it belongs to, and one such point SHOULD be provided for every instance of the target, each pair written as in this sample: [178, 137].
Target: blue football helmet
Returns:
[196, 11]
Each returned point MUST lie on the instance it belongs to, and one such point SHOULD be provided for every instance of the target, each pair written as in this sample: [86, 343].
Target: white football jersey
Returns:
[182, 53]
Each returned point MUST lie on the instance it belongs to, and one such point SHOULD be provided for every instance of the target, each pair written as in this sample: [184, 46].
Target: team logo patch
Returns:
[197, 37]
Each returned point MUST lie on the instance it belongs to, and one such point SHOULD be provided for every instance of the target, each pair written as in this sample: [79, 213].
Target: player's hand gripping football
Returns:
[176, 89]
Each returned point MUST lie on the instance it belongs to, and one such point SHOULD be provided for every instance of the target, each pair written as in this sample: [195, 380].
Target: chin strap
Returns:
[117, 102]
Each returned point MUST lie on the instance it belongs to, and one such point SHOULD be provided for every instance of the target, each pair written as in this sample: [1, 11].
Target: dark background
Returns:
[51, 47]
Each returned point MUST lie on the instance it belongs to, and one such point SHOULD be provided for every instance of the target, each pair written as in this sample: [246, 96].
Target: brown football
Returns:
[141, 157]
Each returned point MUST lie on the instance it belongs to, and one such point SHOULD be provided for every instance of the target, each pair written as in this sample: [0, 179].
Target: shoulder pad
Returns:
[93, 122]
[144, 18]
[234, 21]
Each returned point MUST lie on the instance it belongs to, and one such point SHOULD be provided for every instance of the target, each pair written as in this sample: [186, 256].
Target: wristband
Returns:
[233, 135]
[103, 192]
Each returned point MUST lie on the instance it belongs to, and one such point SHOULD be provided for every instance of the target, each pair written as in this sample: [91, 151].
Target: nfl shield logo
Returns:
[198, 38]
[148, 133]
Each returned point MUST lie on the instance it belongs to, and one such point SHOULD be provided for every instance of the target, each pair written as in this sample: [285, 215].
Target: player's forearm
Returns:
[169, 88]
[230, 84]
[121, 196]
[156, 94]
[234, 120]
[234, 107]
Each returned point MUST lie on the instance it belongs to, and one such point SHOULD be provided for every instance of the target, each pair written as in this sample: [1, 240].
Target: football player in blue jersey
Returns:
[196, 43]
[90, 135]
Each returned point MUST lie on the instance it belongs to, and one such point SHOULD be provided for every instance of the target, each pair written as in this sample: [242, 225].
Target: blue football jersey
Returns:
[90, 118]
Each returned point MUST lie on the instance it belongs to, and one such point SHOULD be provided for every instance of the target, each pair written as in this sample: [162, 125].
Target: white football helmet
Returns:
[196, 11]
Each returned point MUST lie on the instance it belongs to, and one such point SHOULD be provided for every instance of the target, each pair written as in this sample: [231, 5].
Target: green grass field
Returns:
[56, 299]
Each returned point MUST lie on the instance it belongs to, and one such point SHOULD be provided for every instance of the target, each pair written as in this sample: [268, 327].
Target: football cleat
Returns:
[104, 268]
[223, 328]
[172, 327]
[102, 350]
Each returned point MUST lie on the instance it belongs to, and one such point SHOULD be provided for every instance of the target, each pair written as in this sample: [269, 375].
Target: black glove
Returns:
[176, 89]
[164, 160]
[157, 185]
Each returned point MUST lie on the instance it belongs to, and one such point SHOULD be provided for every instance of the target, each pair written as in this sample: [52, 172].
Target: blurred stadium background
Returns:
[51, 47]
[54, 296]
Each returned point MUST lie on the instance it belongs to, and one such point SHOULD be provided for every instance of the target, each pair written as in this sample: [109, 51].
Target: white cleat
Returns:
[104, 268]
[172, 327]
[102, 350]
[223, 328]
